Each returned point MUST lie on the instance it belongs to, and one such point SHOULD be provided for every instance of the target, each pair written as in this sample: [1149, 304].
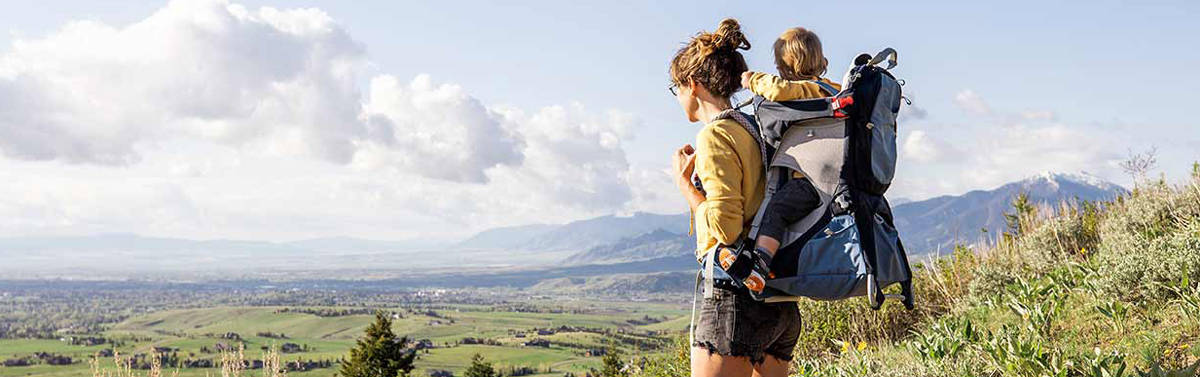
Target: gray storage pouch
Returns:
[883, 131]
[891, 268]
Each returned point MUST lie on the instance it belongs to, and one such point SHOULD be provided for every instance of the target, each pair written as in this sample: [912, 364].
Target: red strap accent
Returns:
[839, 103]
[842, 102]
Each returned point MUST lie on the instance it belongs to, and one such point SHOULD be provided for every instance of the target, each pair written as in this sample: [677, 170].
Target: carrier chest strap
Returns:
[695, 299]
[705, 286]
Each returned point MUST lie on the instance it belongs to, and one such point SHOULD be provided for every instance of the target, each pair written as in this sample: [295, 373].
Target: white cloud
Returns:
[436, 131]
[576, 157]
[655, 191]
[1021, 150]
[912, 112]
[90, 93]
[971, 103]
[1003, 149]
[274, 81]
[921, 147]
[208, 119]
[1039, 115]
[992, 147]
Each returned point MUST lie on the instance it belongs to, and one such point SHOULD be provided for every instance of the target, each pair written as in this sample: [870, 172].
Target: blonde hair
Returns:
[712, 59]
[798, 55]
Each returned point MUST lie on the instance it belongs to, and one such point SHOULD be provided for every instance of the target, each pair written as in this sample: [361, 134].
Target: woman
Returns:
[735, 335]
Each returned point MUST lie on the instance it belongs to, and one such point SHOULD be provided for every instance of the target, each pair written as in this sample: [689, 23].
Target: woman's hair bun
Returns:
[729, 36]
[712, 59]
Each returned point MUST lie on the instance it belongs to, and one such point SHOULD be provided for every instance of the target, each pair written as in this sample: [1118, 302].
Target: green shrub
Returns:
[1038, 304]
[1014, 352]
[1101, 364]
[676, 363]
[1151, 239]
[945, 339]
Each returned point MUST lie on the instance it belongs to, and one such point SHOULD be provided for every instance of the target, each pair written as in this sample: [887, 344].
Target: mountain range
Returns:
[577, 235]
[934, 225]
[638, 243]
[927, 226]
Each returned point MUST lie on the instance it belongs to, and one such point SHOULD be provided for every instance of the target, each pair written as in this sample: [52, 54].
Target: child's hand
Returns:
[746, 79]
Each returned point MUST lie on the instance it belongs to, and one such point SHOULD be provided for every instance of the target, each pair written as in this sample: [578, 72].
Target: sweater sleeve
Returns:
[775, 88]
[720, 216]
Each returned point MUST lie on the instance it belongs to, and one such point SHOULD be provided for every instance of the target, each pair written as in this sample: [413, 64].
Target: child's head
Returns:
[798, 55]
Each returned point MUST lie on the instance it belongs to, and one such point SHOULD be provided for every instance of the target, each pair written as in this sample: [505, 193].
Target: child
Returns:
[800, 62]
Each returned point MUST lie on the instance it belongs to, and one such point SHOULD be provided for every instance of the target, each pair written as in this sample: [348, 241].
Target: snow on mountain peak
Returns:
[1080, 178]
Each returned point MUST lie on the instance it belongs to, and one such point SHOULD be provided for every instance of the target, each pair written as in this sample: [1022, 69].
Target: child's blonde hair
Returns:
[798, 55]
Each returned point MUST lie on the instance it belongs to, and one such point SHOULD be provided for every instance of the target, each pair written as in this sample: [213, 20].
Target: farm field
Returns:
[560, 336]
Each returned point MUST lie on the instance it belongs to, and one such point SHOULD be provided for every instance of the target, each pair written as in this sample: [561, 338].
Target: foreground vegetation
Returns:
[1087, 289]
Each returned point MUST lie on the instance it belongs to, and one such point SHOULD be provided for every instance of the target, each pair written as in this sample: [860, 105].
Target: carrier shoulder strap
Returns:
[755, 131]
[828, 88]
[746, 123]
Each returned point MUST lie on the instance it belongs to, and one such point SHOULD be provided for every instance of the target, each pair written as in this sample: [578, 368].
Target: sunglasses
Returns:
[674, 89]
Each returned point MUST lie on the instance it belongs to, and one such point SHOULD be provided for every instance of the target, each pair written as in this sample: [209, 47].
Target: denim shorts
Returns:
[733, 324]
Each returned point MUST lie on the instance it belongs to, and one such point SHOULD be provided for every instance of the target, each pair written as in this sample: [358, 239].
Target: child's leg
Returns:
[796, 199]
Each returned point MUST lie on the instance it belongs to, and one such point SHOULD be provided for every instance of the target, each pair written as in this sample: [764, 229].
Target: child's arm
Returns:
[775, 88]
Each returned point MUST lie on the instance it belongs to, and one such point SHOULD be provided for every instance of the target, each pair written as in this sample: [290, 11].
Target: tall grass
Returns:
[123, 367]
[233, 363]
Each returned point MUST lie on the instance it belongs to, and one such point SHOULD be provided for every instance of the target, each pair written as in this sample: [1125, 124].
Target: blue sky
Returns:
[1001, 92]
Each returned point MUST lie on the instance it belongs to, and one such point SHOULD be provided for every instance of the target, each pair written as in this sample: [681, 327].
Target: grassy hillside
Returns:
[1104, 289]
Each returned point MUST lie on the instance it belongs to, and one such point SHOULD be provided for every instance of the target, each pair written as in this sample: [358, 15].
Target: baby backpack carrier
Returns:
[846, 146]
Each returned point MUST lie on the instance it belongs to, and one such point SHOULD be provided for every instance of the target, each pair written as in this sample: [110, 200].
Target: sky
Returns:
[285, 120]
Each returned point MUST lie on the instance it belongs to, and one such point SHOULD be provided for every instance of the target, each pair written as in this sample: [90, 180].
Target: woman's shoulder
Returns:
[727, 129]
[726, 133]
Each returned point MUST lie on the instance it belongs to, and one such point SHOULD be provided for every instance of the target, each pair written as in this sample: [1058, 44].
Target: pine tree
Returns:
[480, 368]
[613, 366]
[379, 353]
[1023, 211]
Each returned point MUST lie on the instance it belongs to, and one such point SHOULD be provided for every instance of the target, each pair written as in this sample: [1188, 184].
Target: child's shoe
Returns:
[748, 268]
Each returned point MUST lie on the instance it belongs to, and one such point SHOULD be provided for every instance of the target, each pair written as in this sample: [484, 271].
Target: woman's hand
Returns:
[746, 79]
[684, 163]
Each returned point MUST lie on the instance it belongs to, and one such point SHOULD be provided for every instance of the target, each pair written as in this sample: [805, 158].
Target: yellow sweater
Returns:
[775, 88]
[730, 168]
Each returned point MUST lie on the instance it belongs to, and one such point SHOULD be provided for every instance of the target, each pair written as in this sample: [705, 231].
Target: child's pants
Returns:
[796, 199]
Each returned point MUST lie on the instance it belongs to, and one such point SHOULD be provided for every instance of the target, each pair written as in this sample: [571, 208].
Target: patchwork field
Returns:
[560, 336]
